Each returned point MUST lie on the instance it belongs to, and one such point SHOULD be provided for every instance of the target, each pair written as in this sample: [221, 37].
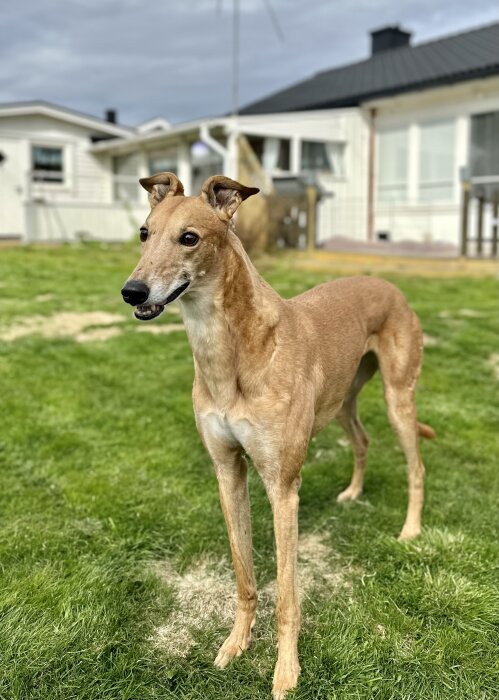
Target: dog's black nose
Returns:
[135, 292]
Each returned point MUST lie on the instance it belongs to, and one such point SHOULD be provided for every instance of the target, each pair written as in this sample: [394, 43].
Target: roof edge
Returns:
[63, 113]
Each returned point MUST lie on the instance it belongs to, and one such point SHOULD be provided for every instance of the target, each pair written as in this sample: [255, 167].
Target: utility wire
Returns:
[274, 19]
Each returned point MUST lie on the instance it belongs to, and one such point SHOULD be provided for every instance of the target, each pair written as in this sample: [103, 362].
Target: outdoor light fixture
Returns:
[3, 157]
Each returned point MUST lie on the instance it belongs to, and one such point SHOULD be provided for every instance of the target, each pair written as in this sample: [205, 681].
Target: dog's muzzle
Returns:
[136, 293]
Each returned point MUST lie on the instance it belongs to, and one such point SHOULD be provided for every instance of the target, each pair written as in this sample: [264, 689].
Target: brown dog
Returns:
[269, 373]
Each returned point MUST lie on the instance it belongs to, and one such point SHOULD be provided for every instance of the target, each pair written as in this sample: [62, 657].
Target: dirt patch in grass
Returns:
[84, 327]
[161, 329]
[315, 566]
[98, 334]
[465, 313]
[65, 324]
[429, 341]
[206, 594]
[44, 297]
[494, 364]
[470, 313]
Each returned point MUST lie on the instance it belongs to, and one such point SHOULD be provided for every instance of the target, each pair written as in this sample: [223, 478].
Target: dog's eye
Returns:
[143, 234]
[189, 239]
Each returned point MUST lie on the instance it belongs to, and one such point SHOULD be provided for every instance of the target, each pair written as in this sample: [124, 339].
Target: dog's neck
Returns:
[230, 325]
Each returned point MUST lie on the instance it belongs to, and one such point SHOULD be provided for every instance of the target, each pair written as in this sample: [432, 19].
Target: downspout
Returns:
[207, 138]
[371, 159]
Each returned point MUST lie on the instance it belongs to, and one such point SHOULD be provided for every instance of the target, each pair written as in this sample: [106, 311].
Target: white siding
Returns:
[11, 186]
[343, 212]
[69, 221]
[82, 204]
[419, 219]
[86, 176]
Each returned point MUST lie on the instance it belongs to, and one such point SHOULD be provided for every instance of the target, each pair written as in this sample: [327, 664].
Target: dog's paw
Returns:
[409, 533]
[285, 677]
[349, 494]
[234, 645]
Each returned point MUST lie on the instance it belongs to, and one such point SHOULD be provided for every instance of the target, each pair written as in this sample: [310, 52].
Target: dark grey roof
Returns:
[452, 59]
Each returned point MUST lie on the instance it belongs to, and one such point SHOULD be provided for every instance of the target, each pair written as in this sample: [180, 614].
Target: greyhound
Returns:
[270, 373]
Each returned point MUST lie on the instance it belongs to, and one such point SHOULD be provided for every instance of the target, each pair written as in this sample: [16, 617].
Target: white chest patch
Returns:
[233, 432]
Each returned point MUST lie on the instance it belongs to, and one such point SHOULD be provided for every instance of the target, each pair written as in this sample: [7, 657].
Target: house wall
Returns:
[343, 210]
[81, 205]
[412, 219]
[11, 186]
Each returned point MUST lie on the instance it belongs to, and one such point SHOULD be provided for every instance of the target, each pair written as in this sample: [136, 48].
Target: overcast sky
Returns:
[174, 58]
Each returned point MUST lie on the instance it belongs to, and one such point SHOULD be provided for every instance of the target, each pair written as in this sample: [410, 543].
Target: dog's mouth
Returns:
[146, 312]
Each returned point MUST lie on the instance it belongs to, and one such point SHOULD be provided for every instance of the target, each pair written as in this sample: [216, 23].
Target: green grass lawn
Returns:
[105, 485]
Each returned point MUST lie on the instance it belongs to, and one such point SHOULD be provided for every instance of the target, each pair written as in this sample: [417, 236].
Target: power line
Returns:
[274, 19]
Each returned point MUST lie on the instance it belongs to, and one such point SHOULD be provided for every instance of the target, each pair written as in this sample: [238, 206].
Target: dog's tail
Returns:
[426, 432]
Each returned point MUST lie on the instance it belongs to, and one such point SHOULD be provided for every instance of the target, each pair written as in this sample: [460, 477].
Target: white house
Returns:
[64, 175]
[391, 140]
[52, 186]
[430, 116]
[309, 144]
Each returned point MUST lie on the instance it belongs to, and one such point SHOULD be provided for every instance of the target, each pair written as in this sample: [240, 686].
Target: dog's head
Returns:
[182, 238]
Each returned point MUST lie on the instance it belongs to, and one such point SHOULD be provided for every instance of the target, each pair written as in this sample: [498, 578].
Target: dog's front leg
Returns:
[284, 499]
[233, 486]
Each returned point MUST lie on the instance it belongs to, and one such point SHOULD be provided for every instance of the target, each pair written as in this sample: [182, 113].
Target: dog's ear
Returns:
[160, 186]
[225, 195]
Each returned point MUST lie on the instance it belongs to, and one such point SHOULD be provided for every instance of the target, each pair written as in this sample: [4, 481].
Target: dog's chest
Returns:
[229, 430]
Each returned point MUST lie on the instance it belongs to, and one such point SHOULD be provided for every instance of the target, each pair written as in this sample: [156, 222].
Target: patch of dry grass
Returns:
[64, 324]
[206, 593]
[82, 326]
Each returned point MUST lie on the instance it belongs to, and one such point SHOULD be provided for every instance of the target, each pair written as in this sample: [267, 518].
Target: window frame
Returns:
[63, 183]
[128, 180]
[394, 185]
[472, 157]
[450, 182]
[172, 155]
[274, 172]
[324, 173]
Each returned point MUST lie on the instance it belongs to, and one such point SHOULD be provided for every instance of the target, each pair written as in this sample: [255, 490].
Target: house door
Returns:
[11, 189]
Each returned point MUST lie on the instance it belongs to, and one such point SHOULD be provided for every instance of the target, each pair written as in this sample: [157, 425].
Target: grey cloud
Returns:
[174, 59]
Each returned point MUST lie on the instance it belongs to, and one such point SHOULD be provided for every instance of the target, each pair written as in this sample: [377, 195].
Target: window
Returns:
[47, 164]
[273, 153]
[392, 165]
[484, 152]
[164, 160]
[318, 156]
[126, 186]
[437, 161]
[204, 163]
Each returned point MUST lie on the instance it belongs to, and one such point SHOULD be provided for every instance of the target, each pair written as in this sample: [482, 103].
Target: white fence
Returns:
[107, 208]
[70, 221]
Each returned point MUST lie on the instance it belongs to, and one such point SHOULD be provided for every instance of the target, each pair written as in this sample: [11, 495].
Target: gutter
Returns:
[371, 159]
[207, 138]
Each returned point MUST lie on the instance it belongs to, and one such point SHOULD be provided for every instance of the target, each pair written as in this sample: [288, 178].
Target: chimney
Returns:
[389, 38]
[111, 116]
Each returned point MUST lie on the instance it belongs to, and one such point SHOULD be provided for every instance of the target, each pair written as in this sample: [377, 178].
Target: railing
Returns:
[88, 207]
[126, 188]
[480, 216]
[52, 187]
[431, 228]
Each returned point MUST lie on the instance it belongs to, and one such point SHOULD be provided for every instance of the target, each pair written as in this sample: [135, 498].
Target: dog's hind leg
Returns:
[350, 422]
[231, 470]
[400, 357]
